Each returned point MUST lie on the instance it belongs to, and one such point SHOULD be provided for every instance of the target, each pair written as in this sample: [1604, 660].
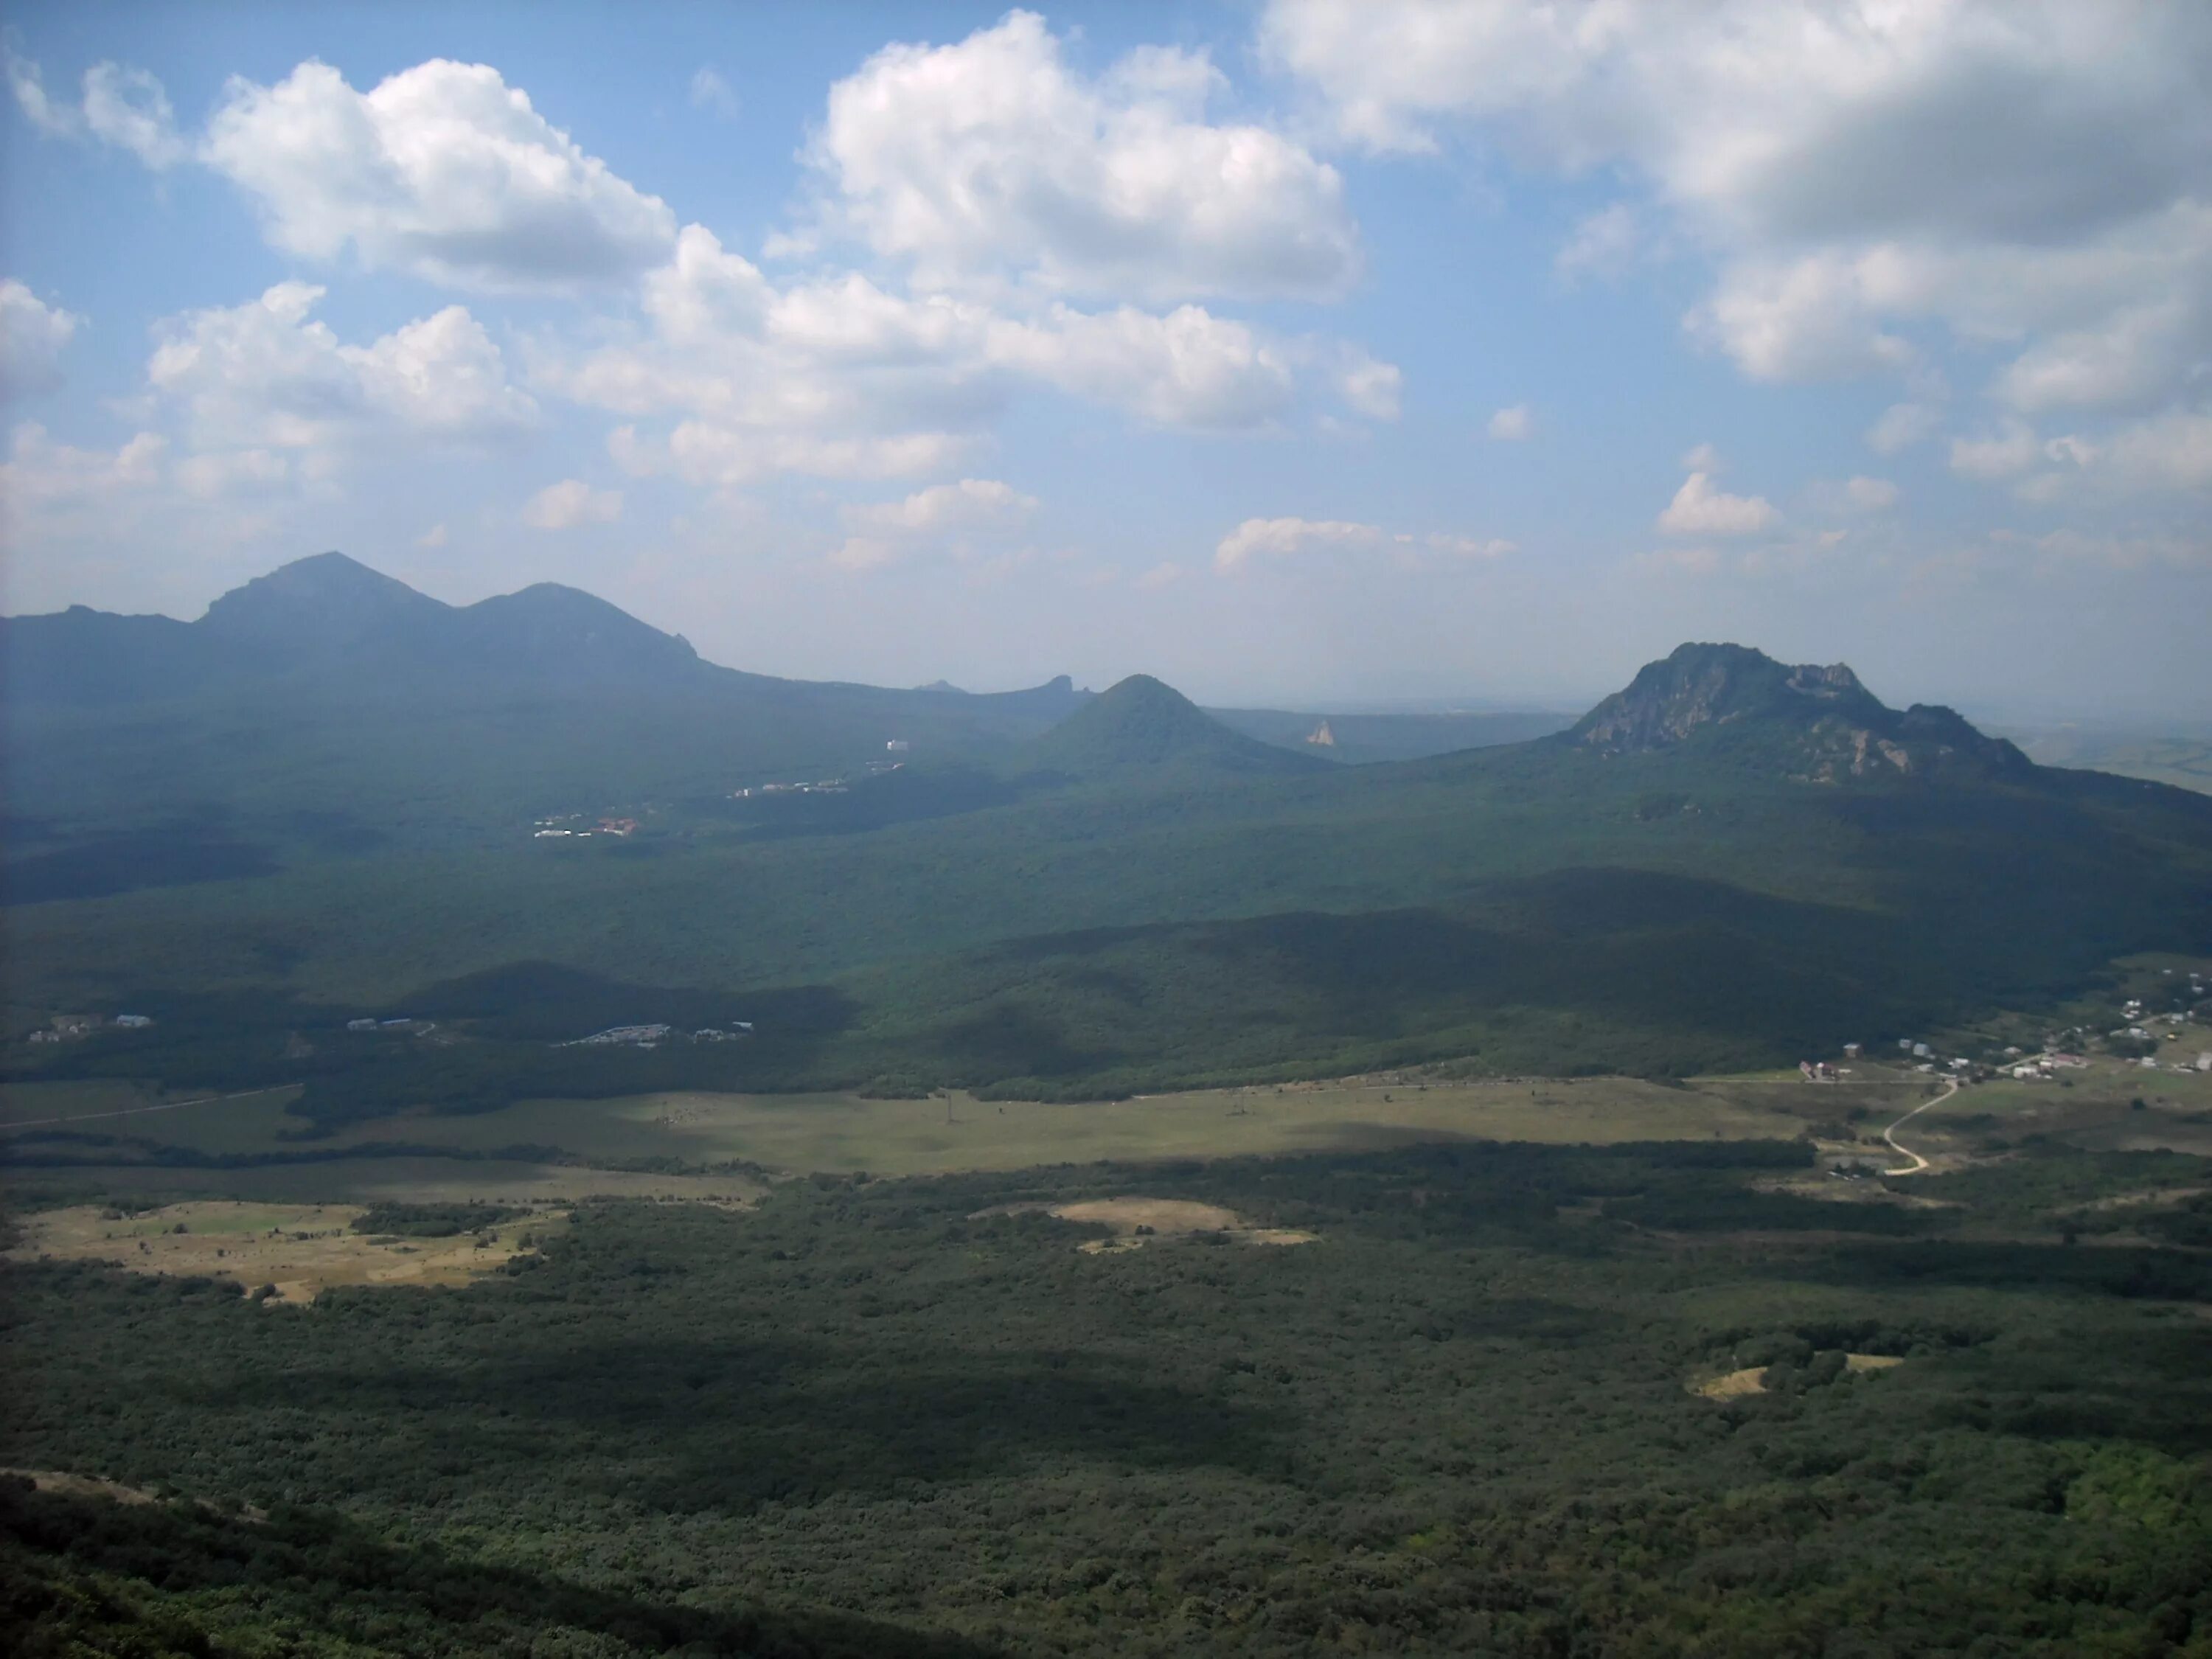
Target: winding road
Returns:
[1920, 1163]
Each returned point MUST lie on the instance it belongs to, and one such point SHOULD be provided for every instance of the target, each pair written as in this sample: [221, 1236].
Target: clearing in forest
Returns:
[1134, 1220]
[1753, 1378]
[300, 1249]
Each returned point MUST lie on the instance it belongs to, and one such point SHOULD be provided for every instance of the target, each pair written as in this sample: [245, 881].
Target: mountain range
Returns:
[333, 795]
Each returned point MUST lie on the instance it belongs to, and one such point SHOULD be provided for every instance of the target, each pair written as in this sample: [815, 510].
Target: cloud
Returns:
[994, 161]
[32, 335]
[1370, 387]
[2008, 453]
[1166, 573]
[711, 92]
[40, 475]
[571, 503]
[442, 170]
[1800, 320]
[963, 505]
[1511, 425]
[2167, 452]
[120, 106]
[28, 83]
[1603, 244]
[58, 502]
[839, 376]
[1289, 538]
[1702, 458]
[1471, 547]
[229, 474]
[1870, 494]
[1679, 561]
[433, 538]
[128, 108]
[1186, 368]
[1283, 537]
[265, 374]
[1858, 494]
[1700, 509]
[952, 516]
[1900, 426]
[2031, 174]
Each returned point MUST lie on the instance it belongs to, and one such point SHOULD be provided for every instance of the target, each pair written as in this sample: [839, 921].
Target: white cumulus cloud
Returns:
[33, 335]
[1511, 425]
[266, 374]
[1700, 508]
[1871, 178]
[994, 159]
[442, 170]
[1283, 537]
[954, 517]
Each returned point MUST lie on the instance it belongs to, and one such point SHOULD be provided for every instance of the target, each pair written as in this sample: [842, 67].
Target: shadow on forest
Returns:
[728, 1425]
[317, 1572]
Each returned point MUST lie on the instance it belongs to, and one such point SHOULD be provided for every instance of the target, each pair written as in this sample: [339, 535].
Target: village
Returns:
[2135, 1041]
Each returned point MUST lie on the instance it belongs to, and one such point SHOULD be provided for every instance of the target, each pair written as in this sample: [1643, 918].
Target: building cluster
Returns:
[652, 1036]
[68, 1028]
[558, 828]
[401, 1025]
[827, 786]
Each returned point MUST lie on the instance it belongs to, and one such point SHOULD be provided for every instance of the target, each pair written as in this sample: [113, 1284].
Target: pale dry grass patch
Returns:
[302, 1250]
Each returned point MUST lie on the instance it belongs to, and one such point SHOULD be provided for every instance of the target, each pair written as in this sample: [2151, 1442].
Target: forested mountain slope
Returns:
[1730, 860]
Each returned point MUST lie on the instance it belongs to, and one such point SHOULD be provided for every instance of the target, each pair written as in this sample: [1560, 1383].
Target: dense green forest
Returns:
[361, 804]
[869, 1417]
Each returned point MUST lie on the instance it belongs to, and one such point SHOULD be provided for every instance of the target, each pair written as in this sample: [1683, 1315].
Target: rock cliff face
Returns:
[1818, 725]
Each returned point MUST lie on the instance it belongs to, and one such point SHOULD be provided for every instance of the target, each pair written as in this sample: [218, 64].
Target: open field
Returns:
[300, 1249]
[682, 1145]
[380, 1180]
[847, 1132]
[1134, 1220]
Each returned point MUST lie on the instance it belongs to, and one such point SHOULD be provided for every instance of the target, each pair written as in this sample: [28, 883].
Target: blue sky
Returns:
[1309, 351]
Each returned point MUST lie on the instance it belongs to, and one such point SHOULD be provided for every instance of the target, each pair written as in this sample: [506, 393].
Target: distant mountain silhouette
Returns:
[331, 625]
[1819, 724]
[1142, 724]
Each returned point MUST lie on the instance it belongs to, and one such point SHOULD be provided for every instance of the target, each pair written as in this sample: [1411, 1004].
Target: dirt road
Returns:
[1918, 1164]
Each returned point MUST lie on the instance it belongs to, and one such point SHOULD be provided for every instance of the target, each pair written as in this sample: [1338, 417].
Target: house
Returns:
[361, 1025]
[2205, 1061]
[898, 746]
[133, 1022]
[1851, 1051]
[71, 1025]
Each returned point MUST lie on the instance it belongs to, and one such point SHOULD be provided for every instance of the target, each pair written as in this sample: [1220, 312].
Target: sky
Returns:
[1306, 352]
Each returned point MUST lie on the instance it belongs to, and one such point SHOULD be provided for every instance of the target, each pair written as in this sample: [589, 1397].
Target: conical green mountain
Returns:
[1142, 725]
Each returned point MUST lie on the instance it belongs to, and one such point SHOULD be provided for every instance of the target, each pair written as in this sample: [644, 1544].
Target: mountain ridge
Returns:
[1818, 721]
